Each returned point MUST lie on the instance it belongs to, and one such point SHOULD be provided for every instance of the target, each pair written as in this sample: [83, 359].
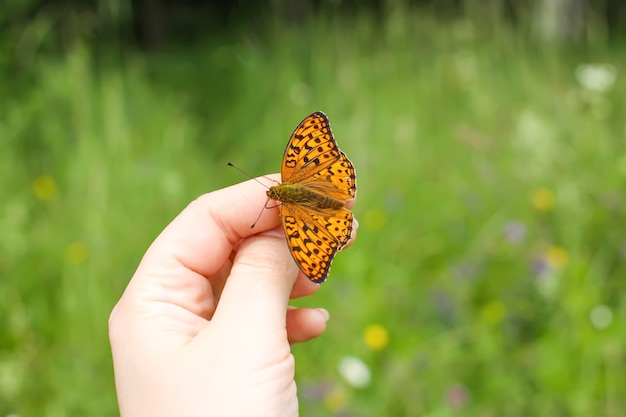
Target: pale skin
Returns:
[204, 327]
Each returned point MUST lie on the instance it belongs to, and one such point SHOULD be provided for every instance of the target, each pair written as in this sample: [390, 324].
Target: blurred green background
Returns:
[489, 142]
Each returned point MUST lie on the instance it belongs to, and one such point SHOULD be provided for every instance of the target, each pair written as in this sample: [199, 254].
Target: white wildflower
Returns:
[601, 316]
[355, 371]
[596, 77]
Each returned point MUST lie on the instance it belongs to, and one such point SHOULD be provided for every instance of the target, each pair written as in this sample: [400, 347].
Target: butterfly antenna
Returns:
[250, 176]
[260, 214]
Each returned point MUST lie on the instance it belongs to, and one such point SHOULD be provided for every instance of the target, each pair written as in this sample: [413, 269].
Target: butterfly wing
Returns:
[337, 180]
[312, 158]
[315, 237]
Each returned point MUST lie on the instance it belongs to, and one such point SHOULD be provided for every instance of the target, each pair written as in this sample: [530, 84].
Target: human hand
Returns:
[204, 326]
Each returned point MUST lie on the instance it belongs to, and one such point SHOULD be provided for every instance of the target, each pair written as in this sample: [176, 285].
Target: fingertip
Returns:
[324, 313]
[304, 324]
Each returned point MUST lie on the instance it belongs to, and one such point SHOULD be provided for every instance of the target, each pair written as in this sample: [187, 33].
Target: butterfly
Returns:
[317, 179]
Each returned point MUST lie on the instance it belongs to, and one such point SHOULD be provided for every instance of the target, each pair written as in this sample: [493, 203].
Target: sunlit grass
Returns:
[486, 279]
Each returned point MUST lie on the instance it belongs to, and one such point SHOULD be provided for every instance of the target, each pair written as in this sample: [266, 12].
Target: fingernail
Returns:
[324, 312]
[355, 223]
[275, 232]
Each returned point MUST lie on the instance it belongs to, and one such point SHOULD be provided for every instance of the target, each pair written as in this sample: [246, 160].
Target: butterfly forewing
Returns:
[310, 149]
[337, 180]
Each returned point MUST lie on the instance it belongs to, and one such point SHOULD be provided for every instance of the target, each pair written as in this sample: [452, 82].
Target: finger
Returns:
[202, 237]
[304, 324]
[257, 291]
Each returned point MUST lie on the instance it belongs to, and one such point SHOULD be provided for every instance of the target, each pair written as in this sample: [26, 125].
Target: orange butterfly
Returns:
[317, 180]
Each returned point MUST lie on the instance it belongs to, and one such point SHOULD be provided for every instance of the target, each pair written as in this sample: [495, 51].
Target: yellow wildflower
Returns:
[44, 187]
[544, 199]
[76, 253]
[557, 257]
[376, 336]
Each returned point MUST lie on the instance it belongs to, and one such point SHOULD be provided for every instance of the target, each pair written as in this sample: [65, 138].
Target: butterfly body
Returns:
[296, 194]
[318, 179]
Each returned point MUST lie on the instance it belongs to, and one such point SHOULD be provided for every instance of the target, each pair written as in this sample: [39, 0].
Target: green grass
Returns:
[452, 127]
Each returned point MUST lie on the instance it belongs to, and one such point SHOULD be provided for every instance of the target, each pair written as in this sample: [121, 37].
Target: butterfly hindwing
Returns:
[315, 238]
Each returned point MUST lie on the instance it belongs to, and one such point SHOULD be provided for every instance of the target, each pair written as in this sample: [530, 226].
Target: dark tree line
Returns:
[151, 24]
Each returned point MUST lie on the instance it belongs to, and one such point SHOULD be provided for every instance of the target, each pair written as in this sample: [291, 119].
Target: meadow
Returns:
[488, 274]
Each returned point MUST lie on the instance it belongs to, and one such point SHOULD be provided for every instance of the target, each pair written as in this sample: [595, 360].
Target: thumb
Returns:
[257, 291]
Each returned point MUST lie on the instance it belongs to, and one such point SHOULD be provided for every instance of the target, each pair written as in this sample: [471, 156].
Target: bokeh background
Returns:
[489, 139]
